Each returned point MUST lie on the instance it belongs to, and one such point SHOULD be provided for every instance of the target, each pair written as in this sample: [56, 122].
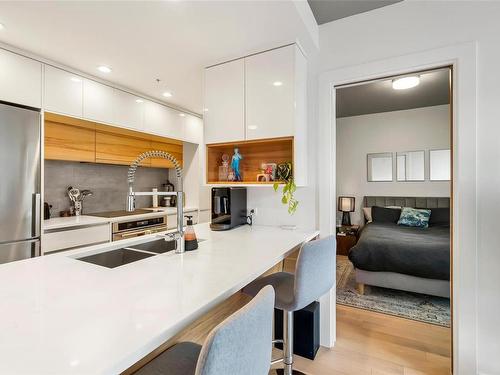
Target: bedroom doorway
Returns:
[394, 189]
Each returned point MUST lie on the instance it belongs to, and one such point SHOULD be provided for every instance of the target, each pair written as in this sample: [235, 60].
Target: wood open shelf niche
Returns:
[256, 152]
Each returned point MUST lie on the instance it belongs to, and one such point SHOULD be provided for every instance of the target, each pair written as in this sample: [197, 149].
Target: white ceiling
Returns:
[142, 41]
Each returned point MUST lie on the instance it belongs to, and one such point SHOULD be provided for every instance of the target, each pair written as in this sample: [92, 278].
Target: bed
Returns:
[404, 258]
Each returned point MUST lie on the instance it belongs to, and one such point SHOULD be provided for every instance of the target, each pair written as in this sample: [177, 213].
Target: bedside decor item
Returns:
[346, 205]
[224, 168]
[235, 164]
[414, 217]
[347, 236]
[284, 174]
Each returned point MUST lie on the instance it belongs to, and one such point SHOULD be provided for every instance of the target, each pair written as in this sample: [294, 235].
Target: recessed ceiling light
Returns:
[277, 83]
[205, 109]
[139, 101]
[252, 127]
[182, 114]
[75, 79]
[405, 82]
[167, 94]
[104, 69]
[2, 26]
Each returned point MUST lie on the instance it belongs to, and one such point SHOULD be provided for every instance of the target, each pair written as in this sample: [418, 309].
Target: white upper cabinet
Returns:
[270, 93]
[128, 110]
[63, 92]
[224, 112]
[193, 129]
[20, 79]
[98, 100]
[163, 121]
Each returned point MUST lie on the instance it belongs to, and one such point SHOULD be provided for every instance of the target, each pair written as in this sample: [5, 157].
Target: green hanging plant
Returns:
[284, 174]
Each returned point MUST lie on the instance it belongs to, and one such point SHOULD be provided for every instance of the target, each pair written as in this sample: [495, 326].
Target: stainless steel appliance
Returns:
[133, 227]
[229, 207]
[20, 203]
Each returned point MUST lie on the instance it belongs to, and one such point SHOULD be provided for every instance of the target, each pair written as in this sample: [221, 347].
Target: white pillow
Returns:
[367, 211]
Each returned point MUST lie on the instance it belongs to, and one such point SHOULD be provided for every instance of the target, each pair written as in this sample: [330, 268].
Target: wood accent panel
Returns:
[174, 149]
[74, 139]
[275, 150]
[119, 149]
[68, 142]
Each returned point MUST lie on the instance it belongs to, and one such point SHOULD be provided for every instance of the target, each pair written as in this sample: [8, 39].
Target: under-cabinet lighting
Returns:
[405, 82]
[104, 69]
[167, 94]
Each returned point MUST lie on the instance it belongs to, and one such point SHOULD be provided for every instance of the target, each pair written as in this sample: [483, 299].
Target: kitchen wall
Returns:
[409, 130]
[107, 182]
[414, 26]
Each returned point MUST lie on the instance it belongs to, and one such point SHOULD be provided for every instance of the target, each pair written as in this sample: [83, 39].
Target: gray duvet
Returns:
[411, 251]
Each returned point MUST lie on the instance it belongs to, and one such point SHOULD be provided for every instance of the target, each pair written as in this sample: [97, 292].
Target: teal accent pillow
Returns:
[414, 217]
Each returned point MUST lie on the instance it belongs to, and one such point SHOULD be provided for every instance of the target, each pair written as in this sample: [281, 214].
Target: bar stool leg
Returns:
[288, 346]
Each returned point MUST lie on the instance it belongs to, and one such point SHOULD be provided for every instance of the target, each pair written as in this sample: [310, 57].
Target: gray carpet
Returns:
[421, 307]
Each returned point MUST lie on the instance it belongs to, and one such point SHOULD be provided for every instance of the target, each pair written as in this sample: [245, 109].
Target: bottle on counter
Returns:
[190, 241]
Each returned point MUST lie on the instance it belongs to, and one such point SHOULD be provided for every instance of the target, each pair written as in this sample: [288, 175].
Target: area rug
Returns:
[421, 307]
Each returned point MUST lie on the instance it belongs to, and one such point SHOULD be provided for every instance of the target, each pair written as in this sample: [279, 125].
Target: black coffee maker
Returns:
[229, 207]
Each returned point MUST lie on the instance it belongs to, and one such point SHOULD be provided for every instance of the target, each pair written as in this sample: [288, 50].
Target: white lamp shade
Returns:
[346, 204]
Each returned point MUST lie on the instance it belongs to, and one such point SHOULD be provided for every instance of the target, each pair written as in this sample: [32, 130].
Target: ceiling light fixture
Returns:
[104, 69]
[75, 79]
[139, 101]
[2, 26]
[167, 94]
[252, 127]
[405, 82]
[277, 83]
[182, 114]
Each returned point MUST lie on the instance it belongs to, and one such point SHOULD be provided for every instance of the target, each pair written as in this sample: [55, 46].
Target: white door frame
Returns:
[463, 59]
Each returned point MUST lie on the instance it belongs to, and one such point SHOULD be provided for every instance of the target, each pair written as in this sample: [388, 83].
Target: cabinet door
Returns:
[269, 88]
[193, 129]
[224, 112]
[97, 101]
[175, 149]
[128, 110]
[163, 121]
[20, 79]
[63, 92]
[119, 149]
[67, 142]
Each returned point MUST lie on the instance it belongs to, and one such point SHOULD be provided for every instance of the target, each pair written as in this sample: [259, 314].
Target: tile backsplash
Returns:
[107, 182]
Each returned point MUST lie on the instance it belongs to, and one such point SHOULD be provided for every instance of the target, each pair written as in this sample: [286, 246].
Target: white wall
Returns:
[413, 26]
[409, 130]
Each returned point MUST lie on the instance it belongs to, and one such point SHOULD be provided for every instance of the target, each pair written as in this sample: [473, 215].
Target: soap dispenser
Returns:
[190, 241]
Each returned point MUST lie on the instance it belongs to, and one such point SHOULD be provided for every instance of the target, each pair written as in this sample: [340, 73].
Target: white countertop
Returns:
[172, 210]
[64, 316]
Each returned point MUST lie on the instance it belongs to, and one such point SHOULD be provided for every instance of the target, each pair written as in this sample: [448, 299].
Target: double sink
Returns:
[129, 254]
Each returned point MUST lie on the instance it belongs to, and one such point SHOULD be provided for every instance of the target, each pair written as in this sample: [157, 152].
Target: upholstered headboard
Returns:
[415, 202]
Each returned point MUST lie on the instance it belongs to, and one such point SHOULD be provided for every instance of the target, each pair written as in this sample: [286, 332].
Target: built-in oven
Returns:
[134, 228]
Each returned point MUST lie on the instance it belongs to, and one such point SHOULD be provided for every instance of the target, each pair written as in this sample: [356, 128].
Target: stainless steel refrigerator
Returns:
[20, 163]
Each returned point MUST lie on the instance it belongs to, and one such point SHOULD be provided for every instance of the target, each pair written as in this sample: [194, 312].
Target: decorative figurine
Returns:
[235, 164]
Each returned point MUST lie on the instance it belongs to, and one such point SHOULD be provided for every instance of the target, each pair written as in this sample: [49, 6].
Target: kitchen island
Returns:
[64, 316]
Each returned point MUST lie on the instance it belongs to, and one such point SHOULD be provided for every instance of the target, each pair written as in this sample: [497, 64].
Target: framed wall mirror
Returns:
[439, 165]
[379, 167]
[410, 166]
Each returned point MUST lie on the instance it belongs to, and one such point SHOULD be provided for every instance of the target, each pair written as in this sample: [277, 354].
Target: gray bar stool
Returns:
[314, 277]
[241, 345]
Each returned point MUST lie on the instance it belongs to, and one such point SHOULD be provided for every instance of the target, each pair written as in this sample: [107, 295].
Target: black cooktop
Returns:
[110, 214]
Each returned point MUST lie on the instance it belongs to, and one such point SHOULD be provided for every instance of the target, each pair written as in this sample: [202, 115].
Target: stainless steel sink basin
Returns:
[116, 258]
[158, 246]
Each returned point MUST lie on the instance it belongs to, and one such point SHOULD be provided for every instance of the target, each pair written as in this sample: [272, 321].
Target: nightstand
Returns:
[347, 236]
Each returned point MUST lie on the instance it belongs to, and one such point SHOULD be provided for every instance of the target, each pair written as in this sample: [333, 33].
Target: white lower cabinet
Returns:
[20, 79]
[68, 238]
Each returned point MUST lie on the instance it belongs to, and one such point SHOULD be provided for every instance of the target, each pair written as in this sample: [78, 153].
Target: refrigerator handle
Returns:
[35, 249]
[36, 214]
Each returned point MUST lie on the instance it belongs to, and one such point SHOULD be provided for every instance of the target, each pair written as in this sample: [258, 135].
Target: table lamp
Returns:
[346, 205]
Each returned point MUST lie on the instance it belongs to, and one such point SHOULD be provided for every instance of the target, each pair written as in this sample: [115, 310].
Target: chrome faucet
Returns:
[177, 236]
